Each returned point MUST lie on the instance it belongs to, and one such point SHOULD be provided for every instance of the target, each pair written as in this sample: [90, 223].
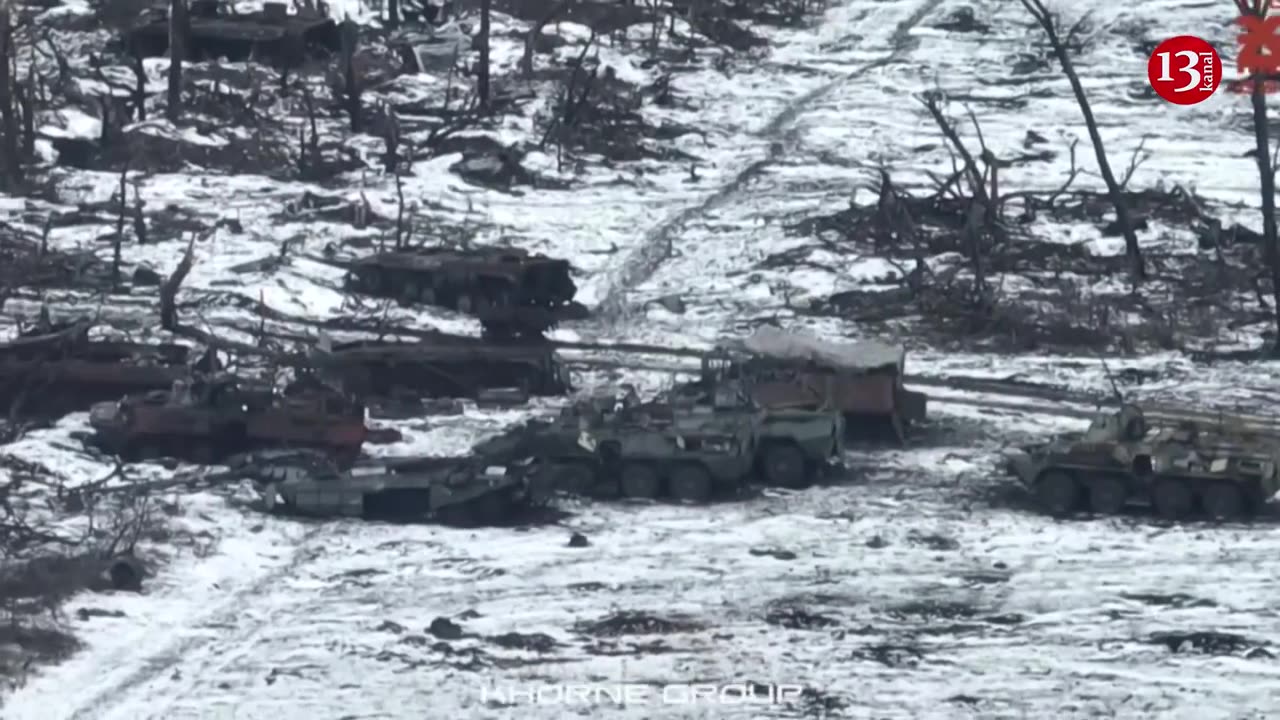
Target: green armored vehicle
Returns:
[454, 491]
[1179, 461]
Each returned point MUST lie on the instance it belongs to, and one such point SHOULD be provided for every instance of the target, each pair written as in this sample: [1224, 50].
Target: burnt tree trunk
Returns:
[1137, 268]
[393, 14]
[10, 167]
[177, 51]
[351, 83]
[482, 79]
[139, 88]
[1267, 186]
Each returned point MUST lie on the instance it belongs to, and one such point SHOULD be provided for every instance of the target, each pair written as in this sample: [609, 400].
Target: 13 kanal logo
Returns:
[1184, 70]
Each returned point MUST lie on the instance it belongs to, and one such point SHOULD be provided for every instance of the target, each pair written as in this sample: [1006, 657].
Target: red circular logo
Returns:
[1184, 70]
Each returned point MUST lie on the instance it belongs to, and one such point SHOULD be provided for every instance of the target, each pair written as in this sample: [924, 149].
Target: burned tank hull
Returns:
[448, 366]
[1178, 461]
[511, 292]
[212, 420]
[462, 492]
[51, 373]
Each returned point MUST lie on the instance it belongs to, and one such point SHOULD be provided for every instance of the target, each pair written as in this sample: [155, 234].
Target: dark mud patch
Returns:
[797, 618]
[933, 610]
[933, 541]
[1177, 601]
[637, 623]
[890, 655]
[532, 642]
[607, 648]
[1210, 642]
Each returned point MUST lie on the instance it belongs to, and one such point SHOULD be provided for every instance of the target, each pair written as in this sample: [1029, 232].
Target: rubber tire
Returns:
[1223, 502]
[1058, 494]
[574, 478]
[640, 481]
[1106, 494]
[1172, 499]
[691, 483]
[491, 510]
[783, 465]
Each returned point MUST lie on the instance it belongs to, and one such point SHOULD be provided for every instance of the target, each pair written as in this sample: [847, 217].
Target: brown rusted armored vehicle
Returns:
[512, 292]
[54, 369]
[1180, 462]
[794, 370]
[440, 365]
[214, 417]
[271, 34]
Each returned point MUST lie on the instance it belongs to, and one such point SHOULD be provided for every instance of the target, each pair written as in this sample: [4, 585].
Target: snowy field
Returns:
[918, 588]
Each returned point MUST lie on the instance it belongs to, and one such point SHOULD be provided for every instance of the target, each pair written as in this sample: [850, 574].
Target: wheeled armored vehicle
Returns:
[1180, 462]
[512, 292]
[454, 491]
[216, 416]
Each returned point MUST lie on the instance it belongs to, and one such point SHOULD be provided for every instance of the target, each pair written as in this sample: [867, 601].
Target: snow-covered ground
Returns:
[906, 593]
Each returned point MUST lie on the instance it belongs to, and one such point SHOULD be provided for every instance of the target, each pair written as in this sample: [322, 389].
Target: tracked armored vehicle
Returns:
[511, 292]
[54, 369]
[222, 415]
[455, 491]
[792, 370]
[1178, 461]
[215, 31]
[440, 366]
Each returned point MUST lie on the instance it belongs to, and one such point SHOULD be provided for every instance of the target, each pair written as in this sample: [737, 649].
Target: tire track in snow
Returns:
[783, 135]
[115, 696]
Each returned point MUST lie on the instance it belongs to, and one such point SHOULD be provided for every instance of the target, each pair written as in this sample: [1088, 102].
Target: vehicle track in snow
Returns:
[782, 132]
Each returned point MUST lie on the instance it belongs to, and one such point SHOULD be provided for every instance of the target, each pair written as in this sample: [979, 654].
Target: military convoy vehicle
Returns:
[456, 491]
[440, 365]
[216, 31]
[1180, 462]
[794, 370]
[221, 415]
[55, 368]
[511, 291]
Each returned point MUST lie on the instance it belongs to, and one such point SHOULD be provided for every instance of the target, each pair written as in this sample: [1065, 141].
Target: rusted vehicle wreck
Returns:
[511, 291]
[862, 380]
[440, 365]
[216, 31]
[215, 417]
[53, 369]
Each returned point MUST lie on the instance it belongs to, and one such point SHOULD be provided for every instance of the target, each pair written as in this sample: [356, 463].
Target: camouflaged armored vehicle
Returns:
[212, 418]
[216, 30]
[648, 450]
[512, 292]
[455, 491]
[1180, 462]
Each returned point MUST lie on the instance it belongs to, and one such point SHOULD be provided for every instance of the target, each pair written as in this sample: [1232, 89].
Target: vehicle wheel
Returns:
[492, 509]
[409, 294]
[346, 457]
[458, 515]
[640, 480]
[1172, 499]
[691, 482]
[784, 466]
[201, 453]
[465, 304]
[1107, 495]
[1058, 493]
[1222, 501]
[428, 296]
[575, 478]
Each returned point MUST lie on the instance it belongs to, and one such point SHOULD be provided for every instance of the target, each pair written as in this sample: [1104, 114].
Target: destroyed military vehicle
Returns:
[55, 368]
[217, 31]
[690, 452]
[793, 370]
[511, 291]
[1178, 461]
[214, 417]
[440, 365]
[456, 491]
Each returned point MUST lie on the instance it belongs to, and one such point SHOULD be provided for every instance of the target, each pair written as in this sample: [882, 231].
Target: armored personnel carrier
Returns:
[216, 31]
[511, 292]
[1180, 462]
[222, 415]
[794, 370]
[440, 366]
[55, 368]
[455, 491]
